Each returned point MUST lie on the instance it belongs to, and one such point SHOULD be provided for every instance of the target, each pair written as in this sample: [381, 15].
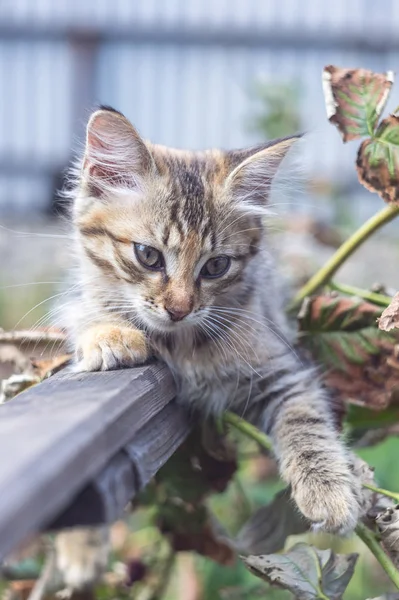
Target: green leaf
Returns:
[268, 528]
[355, 99]
[360, 417]
[308, 573]
[378, 161]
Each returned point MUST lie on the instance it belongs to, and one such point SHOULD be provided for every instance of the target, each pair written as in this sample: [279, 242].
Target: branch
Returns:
[370, 539]
[356, 239]
[248, 429]
[367, 536]
[350, 290]
[387, 493]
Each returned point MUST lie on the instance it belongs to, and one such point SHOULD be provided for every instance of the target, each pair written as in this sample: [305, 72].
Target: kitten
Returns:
[174, 263]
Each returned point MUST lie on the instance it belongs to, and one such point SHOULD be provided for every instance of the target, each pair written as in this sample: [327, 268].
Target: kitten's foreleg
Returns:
[311, 456]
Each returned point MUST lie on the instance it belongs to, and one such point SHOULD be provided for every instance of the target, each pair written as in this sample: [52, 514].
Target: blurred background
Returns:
[192, 74]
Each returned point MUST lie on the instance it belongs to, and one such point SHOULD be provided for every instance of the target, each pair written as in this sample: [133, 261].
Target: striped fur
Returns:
[233, 349]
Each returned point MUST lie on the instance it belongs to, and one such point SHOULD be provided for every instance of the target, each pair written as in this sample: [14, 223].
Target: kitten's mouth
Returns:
[160, 325]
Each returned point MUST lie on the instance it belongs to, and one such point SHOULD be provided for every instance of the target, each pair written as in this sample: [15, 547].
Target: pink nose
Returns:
[177, 314]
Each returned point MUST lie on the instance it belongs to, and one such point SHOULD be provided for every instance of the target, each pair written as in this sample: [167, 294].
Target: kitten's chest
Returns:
[206, 380]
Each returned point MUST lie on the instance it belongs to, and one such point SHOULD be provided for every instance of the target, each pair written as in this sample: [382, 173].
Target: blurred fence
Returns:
[181, 70]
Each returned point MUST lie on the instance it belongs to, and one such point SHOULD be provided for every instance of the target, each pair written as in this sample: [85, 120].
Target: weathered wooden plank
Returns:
[105, 498]
[55, 437]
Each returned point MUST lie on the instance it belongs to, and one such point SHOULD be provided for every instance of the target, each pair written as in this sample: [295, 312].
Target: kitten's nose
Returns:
[177, 314]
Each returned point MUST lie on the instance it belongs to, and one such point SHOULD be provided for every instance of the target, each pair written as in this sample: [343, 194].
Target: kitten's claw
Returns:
[331, 503]
[108, 347]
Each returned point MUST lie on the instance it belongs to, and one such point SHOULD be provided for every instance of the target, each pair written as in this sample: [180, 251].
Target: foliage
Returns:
[277, 113]
[342, 333]
[197, 501]
[308, 573]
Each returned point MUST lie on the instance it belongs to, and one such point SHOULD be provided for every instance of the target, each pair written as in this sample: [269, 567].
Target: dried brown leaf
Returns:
[372, 503]
[15, 385]
[390, 317]
[46, 367]
[50, 334]
[388, 525]
[355, 99]
[377, 161]
[15, 358]
[198, 531]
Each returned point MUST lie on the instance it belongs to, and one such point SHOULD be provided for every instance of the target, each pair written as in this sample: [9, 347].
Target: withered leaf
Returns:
[308, 573]
[194, 528]
[268, 528]
[388, 526]
[360, 359]
[372, 503]
[390, 317]
[355, 99]
[16, 384]
[377, 161]
[49, 366]
[44, 334]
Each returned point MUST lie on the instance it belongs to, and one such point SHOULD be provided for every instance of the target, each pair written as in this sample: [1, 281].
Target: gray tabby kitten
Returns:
[174, 263]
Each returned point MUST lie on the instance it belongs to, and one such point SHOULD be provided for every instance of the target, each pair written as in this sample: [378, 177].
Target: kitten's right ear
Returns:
[115, 155]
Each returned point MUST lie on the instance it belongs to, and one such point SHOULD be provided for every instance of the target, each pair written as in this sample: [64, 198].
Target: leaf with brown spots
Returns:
[355, 99]
[390, 317]
[377, 161]
[361, 360]
[309, 573]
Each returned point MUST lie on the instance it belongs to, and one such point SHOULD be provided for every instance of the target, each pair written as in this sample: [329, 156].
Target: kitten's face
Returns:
[170, 237]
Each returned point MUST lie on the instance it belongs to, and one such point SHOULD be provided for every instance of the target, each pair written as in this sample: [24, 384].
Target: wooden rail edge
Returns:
[76, 448]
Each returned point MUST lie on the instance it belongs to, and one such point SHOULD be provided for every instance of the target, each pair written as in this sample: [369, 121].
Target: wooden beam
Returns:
[106, 497]
[59, 435]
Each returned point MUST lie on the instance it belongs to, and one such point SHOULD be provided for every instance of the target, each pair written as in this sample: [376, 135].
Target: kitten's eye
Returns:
[149, 257]
[216, 267]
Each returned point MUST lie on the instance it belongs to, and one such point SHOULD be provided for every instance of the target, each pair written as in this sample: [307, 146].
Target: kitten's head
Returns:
[166, 234]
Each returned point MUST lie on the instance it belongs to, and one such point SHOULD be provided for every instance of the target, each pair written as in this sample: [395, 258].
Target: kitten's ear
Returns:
[253, 171]
[115, 155]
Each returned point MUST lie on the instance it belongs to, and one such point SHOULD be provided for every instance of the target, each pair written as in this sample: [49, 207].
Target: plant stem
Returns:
[158, 592]
[377, 490]
[264, 441]
[350, 290]
[369, 538]
[248, 429]
[344, 251]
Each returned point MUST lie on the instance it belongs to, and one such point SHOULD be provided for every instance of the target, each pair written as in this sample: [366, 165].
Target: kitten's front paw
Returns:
[107, 347]
[329, 500]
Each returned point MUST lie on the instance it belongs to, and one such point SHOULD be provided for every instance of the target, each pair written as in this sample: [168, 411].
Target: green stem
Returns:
[373, 297]
[369, 538]
[356, 239]
[264, 441]
[248, 429]
[387, 493]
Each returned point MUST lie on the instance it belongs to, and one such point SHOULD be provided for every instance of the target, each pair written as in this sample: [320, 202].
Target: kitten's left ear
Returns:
[253, 171]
